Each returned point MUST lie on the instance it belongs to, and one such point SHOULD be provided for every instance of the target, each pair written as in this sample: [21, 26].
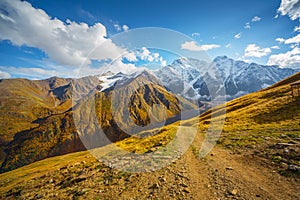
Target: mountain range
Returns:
[197, 79]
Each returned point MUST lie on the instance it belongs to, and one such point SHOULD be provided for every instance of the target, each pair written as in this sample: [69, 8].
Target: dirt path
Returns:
[222, 175]
[198, 173]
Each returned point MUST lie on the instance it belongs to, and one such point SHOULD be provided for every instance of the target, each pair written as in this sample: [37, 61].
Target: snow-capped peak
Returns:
[108, 80]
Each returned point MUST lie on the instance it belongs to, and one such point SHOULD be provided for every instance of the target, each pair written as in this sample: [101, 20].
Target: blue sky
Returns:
[39, 39]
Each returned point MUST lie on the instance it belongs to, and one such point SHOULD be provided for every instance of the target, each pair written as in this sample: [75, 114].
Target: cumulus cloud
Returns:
[290, 58]
[290, 8]
[130, 56]
[196, 34]
[275, 47]
[125, 28]
[162, 61]
[238, 36]
[145, 54]
[33, 72]
[247, 25]
[256, 19]
[116, 66]
[67, 43]
[287, 59]
[193, 46]
[4, 75]
[296, 28]
[292, 40]
[252, 50]
[121, 28]
[228, 46]
[117, 27]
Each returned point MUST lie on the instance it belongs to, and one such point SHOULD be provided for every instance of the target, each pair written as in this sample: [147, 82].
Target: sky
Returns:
[44, 38]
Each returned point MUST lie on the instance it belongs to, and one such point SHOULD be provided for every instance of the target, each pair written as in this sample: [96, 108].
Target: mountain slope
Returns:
[58, 133]
[27, 103]
[24, 101]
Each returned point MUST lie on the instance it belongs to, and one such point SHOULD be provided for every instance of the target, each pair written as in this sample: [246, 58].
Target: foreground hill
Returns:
[260, 159]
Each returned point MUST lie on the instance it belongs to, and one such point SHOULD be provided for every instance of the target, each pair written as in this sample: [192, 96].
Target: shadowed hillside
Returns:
[26, 104]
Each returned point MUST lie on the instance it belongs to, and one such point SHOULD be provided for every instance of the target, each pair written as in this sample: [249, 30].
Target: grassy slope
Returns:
[268, 115]
[11, 179]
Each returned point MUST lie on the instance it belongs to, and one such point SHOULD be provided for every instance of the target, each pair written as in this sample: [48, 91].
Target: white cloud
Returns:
[4, 75]
[295, 39]
[275, 47]
[33, 72]
[296, 28]
[207, 47]
[247, 25]
[162, 61]
[117, 27]
[280, 40]
[116, 66]
[287, 59]
[192, 46]
[228, 46]
[130, 56]
[238, 36]
[252, 50]
[67, 43]
[156, 56]
[125, 28]
[196, 34]
[290, 8]
[146, 55]
[256, 19]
